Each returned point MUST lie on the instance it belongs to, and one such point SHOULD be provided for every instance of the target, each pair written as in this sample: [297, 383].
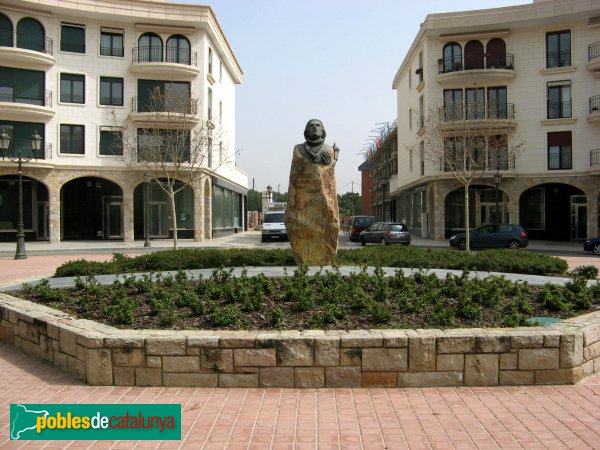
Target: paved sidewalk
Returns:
[428, 418]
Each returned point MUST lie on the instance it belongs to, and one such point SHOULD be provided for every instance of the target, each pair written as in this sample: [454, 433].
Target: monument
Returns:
[312, 217]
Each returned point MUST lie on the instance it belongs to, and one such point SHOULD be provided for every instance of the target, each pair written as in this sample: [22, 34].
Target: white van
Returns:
[273, 226]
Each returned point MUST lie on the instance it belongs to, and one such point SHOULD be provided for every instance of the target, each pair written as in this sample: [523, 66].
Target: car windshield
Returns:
[274, 217]
[364, 221]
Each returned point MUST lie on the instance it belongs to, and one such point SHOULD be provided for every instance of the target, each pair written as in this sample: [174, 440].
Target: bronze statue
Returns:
[312, 218]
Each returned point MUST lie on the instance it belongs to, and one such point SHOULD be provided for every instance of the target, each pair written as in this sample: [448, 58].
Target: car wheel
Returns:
[514, 245]
[263, 239]
[596, 249]
[384, 242]
[462, 244]
[362, 241]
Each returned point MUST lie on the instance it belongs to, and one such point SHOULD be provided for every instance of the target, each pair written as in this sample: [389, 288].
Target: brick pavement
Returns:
[427, 418]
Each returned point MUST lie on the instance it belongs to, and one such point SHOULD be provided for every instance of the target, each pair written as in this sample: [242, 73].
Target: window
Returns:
[178, 50]
[453, 154]
[111, 43]
[559, 150]
[111, 91]
[31, 35]
[422, 157]
[220, 112]
[22, 86]
[20, 137]
[421, 113]
[498, 152]
[410, 159]
[558, 49]
[475, 107]
[210, 61]
[111, 142]
[163, 96]
[72, 38]
[474, 55]
[420, 69]
[410, 119]
[209, 115]
[163, 145]
[496, 56]
[497, 106]
[71, 139]
[410, 78]
[452, 57]
[453, 108]
[209, 151]
[221, 153]
[220, 71]
[559, 100]
[6, 31]
[72, 88]
[150, 48]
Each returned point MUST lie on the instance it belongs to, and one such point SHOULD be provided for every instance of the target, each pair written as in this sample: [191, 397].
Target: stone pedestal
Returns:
[312, 218]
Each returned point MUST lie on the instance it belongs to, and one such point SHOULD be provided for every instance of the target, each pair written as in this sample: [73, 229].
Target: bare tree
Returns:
[171, 142]
[469, 140]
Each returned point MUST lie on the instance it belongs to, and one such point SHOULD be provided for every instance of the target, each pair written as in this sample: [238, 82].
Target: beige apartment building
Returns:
[67, 70]
[537, 67]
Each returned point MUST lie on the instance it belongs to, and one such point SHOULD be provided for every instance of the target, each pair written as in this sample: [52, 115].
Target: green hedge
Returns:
[509, 261]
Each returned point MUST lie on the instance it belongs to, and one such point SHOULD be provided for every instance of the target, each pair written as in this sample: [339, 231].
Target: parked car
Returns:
[493, 236]
[386, 233]
[592, 245]
[358, 224]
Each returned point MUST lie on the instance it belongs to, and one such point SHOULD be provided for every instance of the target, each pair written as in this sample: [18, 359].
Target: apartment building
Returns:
[536, 67]
[72, 73]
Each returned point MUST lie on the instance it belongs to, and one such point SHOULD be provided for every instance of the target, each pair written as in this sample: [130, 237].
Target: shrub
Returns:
[585, 272]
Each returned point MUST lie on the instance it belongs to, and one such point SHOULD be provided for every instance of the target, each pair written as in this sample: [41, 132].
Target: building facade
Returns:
[535, 66]
[75, 74]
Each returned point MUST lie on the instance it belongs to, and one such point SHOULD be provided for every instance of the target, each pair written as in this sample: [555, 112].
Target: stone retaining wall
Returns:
[102, 355]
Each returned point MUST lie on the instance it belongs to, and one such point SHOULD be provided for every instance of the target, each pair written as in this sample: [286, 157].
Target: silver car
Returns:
[386, 233]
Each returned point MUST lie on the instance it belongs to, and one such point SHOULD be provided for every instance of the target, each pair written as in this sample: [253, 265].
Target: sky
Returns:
[332, 60]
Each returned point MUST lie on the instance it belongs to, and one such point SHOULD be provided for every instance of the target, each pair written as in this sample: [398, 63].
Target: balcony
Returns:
[25, 146]
[477, 69]
[182, 111]
[594, 112]
[593, 64]
[168, 62]
[595, 159]
[26, 50]
[476, 115]
[26, 108]
[491, 163]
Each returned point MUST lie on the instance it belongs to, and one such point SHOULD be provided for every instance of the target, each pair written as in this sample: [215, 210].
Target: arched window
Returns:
[178, 49]
[496, 54]
[452, 57]
[6, 31]
[150, 48]
[30, 35]
[473, 55]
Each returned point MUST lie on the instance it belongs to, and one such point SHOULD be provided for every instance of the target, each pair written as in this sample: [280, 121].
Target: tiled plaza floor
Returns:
[431, 418]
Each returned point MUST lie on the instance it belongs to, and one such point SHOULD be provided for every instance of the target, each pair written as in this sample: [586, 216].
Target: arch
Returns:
[6, 31]
[158, 215]
[495, 53]
[91, 208]
[31, 35]
[452, 57]
[150, 48]
[178, 49]
[473, 55]
[482, 208]
[35, 208]
[554, 211]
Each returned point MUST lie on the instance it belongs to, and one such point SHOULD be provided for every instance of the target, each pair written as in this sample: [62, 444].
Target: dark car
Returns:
[493, 236]
[592, 245]
[358, 224]
[386, 233]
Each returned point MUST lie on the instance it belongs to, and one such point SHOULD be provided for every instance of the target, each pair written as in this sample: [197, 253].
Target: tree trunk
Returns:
[467, 234]
[173, 214]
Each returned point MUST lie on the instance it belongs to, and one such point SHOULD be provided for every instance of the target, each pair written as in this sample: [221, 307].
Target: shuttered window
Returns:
[72, 38]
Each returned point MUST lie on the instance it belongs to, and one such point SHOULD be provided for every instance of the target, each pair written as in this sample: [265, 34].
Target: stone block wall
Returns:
[102, 355]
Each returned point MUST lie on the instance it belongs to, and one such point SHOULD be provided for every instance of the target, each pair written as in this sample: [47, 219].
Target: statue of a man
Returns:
[312, 217]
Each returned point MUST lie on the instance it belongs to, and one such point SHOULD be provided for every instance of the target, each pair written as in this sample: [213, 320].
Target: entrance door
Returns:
[157, 220]
[113, 225]
[578, 217]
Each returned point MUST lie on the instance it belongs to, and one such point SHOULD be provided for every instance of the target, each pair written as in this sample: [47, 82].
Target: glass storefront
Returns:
[226, 208]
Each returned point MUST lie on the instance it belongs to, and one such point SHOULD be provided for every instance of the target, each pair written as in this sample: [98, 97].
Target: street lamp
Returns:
[497, 180]
[147, 180]
[269, 192]
[36, 145]
[336, 153]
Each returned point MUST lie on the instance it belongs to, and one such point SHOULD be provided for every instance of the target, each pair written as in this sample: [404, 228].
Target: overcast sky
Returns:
[328, 59]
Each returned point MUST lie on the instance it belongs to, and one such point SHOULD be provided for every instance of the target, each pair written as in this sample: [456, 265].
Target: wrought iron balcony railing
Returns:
[29, 41]
[559, 110]
[595, 104]
[43, 98]
[175, 104]
[164, 54]
[593, 51]
[477, 111]
[476, 62]
[595, 157]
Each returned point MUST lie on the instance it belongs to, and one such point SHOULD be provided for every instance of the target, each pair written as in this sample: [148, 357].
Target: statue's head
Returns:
[314, 130]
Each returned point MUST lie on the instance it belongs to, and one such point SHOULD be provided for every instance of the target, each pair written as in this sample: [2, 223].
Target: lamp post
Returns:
[147, 180]
[269, 192]
[336, 153]
[36, 145]
[497, 180]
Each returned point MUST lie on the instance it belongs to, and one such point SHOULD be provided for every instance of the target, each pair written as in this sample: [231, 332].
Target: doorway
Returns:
[578, 217]
[113, 213]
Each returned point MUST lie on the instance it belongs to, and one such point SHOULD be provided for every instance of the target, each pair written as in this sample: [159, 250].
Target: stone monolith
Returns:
[311, 217]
